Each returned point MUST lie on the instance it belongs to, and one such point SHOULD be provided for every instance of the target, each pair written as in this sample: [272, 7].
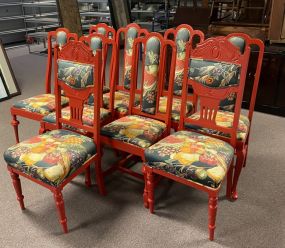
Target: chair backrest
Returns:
[129, 34]
[78, 74]
[153, 71]
[242, 41]
[98, 41]
[104, 29]
[61, 37]
[216, 69]
[182, 34]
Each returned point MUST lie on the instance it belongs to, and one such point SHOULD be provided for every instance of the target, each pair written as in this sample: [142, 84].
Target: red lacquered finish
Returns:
[104, 29]
[118, 85]
[134, 150]
[217, 49]
[242, 146]
[75, 52]
[181, 35]
[33, 115]
[106, 44]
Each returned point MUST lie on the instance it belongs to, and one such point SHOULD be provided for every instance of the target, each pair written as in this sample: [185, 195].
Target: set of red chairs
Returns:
[198, 94]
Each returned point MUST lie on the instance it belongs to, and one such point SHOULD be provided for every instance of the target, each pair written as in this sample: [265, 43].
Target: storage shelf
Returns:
[21, 30]
[40, 4]
[95, 13]
[42, 20]
[92, 1]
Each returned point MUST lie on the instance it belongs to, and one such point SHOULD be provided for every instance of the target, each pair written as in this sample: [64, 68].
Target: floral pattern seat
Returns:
[193, 156]
[87, 116]
[176, 107]
[41, 104]
[224, 119]
[121, 101]
[51, 157]
[137, 130]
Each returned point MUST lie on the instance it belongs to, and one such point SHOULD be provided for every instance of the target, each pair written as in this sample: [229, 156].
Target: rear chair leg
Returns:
[99, 177]
[15, 123]
[212, 208]
[229, 181]
[17, 185]
[145, 193]
[60, 209]
[238, 168]
[150, 190]
[88, 177]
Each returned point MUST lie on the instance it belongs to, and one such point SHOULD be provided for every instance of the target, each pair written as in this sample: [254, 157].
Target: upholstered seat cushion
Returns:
[134, 129]
[87, 117]
[51, 157]
[196, 157]
[41, 104]
[176, 107]
[224, 119]
[121, 101]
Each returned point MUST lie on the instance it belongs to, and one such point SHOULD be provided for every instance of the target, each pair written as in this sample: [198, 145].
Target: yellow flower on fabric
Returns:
[59, 171]
[31, 158]
[185, 158]
[73, 140]
[216, 174]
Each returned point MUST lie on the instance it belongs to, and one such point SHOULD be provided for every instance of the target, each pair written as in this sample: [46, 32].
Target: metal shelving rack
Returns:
[93, 12]
[153, 16]
[42, 17]
[12, 26]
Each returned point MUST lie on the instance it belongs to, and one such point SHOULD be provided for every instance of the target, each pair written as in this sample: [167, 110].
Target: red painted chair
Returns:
[53, 159]
[144, 125]
[227, 107]
[36, 107]
[97, 41]
[121, 90]
[191, 158]
[181, 35]
[104, 29]
[94, 41]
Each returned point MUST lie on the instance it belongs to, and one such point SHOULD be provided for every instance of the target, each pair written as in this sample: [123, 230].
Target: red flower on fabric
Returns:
[208, 159]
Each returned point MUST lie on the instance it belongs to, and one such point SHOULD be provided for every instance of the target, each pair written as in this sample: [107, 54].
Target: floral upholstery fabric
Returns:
[224, 119]
[76, 75]
[134, 129]
[121, 101]
[132, 33]
[214, 74]
[151, 75]
[176, 107]
[228, 104]
[51, 157]
[41, 104]
[90, 100]
[192, 156]
[182, 37]
[87, 117]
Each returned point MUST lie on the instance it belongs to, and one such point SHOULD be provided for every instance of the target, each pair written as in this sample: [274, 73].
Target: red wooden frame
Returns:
[173, 32]
[242, 146]
[77, 52]
[106, 43]
[117, 83]
[214, 49]
[31, 115]
[136, 110]
[110, 31]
